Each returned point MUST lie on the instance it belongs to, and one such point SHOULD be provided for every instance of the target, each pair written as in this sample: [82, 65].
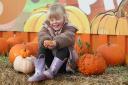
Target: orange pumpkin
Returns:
[14, 40]
[25, 52]
[14, 51]
[4, 46]
[34, 47]
[90, 64]
[112, 53]
[19, 49]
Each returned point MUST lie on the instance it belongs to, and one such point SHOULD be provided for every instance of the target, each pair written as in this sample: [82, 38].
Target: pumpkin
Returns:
[114, 23]
[109, 24]
[34, 47]
[112, 53]
[15, 51]
[24, 50]
[4, 46]
[14, 40]
[24, 65]
[90, 64]
[34, 22]
[123, 8]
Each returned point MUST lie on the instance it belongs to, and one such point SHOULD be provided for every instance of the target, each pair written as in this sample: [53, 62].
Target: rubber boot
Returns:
[39, 69]
[54, 68]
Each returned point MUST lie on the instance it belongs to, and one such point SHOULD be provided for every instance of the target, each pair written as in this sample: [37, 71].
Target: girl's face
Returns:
[56, 22]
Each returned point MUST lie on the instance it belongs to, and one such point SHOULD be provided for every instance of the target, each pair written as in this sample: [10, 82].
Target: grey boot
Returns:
[39, 69]
[54, 68]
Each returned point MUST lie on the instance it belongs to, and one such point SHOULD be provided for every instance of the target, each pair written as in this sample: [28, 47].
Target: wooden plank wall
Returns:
[94, 39]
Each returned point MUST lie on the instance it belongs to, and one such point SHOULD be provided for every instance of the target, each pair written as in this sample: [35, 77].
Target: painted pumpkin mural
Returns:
[35, 21]
[13, 14]
[112, 22]
[10, 10]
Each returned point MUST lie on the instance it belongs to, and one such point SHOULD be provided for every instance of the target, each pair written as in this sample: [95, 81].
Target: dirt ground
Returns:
[113, 76]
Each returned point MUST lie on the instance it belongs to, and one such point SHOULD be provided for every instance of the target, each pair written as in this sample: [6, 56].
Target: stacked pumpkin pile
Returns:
[96, 62]
[21, 53]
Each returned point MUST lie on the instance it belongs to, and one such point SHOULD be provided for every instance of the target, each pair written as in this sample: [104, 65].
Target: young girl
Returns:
[56, 45]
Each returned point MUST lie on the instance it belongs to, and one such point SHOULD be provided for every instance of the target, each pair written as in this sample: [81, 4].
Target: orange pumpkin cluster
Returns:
[7, 44]
[108, 54]
[24, 50]
[112, 53]
[16, 46]
[14, 40]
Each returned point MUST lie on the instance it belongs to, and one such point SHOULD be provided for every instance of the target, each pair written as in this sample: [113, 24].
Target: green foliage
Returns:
[79, 42]
[117, 69]
[4, 59]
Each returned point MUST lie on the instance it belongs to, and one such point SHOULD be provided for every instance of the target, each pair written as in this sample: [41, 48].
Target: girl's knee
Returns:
[62, 53]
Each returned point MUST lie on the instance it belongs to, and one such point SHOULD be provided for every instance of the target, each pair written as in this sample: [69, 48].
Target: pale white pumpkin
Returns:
[25, 65]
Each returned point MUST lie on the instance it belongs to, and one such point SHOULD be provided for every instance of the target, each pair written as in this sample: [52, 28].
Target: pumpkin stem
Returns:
[94, 52]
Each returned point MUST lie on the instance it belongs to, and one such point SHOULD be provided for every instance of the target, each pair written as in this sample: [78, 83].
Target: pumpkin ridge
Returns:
[95, 20]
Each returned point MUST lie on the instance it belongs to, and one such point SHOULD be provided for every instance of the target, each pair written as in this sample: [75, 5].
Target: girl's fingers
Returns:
[45, 45]
[49, 44]
[50, 47]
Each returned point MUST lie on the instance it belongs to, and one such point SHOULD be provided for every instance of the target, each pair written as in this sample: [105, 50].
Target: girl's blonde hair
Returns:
[57, 10]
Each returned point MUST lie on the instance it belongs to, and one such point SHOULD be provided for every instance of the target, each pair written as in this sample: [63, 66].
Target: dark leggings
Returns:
[62, 54]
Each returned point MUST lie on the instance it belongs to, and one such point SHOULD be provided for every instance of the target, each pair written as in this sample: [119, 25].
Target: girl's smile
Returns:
[56, 23]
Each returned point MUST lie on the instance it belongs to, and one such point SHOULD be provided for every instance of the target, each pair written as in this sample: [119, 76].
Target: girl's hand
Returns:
[52, 45]
[49, 44]
[46, 43]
